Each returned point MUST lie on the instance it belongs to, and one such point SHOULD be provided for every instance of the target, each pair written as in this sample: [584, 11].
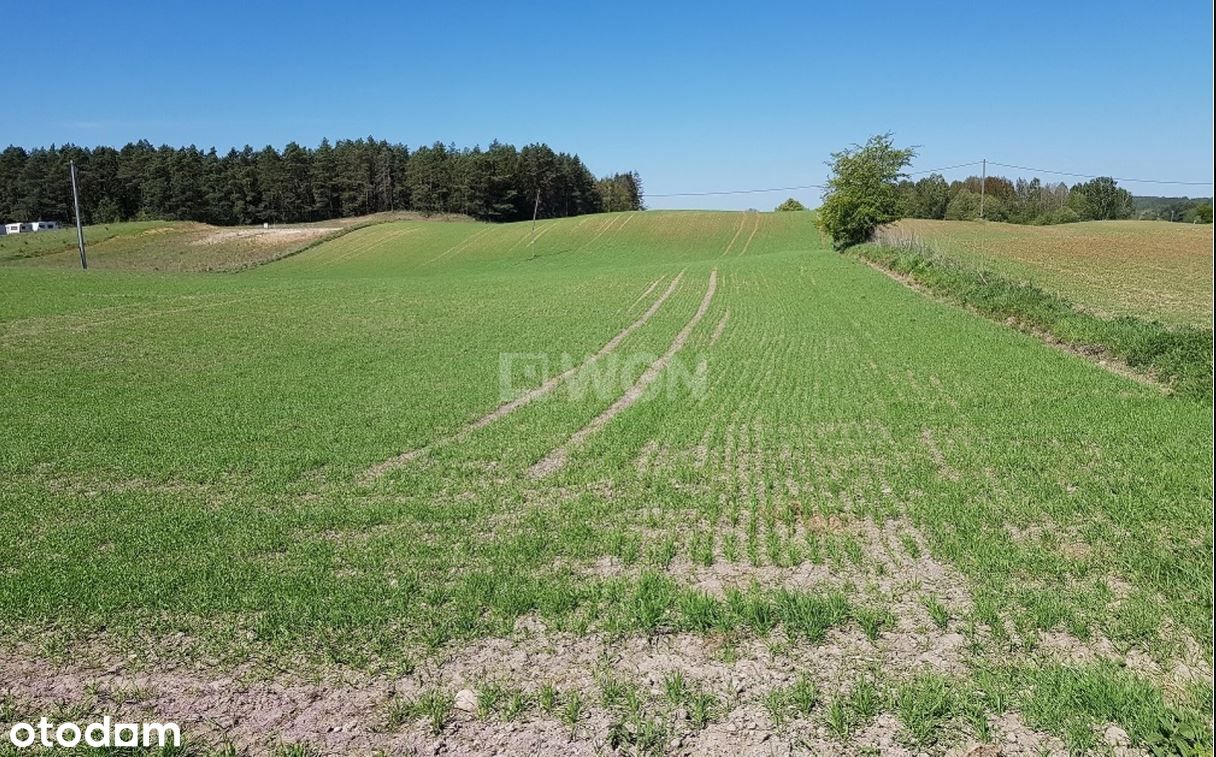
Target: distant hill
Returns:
[1168, 208]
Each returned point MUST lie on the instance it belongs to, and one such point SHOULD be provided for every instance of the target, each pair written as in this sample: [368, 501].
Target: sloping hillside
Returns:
[657, 481]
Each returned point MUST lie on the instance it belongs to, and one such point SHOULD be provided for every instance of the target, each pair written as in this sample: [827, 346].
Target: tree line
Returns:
[1022, 201]
[298, 184]
[1178, 209]
[868, 187]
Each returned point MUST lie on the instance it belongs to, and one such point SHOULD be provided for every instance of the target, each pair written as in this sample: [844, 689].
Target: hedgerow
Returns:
[1177, 356]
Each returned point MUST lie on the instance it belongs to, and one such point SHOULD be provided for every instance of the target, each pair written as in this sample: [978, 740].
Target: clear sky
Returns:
[696, 96]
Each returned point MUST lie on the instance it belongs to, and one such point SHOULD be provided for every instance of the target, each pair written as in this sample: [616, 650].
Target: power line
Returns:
[789, 189]
[944, 168]
[738, 191]
[1062, 173]
[935, 170]
[1093, 176]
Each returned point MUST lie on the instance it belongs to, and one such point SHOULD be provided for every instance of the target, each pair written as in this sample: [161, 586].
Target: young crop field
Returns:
[176, 246]
[1154, 270]
[646, 482]
[17, 247]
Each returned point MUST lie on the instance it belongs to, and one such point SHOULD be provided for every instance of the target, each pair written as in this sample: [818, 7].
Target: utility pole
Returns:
[535, 210]
[84, 262]
[983, 181]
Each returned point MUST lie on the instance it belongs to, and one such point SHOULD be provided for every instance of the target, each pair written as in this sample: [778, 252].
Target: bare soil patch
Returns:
[345, 715]
[268, 237]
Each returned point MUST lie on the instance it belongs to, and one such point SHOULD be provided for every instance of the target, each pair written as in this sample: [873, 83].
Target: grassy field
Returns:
[177, 246]
[16, 247]
[679, 482]
[1148, 269]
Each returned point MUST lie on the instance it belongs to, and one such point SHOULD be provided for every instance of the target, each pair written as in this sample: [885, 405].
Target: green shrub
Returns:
[1063, 215]
[862, 191]
[964, 206]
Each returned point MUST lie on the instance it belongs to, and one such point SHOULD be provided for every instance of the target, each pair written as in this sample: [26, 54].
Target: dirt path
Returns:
[505, 409]
[557, 458]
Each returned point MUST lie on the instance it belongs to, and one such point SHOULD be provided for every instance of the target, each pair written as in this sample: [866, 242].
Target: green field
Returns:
[178, 246]
[1148, 269]
[776, 501]
[18, 247]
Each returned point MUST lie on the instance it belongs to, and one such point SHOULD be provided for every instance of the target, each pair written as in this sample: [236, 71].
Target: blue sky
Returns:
[695, 96]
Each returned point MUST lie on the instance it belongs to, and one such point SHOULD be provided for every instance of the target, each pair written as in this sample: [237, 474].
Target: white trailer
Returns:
[44, 225]
[18, 228]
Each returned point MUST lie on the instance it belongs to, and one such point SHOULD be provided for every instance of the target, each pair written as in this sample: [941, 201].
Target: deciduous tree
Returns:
[861, 194]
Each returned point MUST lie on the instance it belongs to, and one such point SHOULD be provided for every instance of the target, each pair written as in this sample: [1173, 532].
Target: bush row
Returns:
[1178, 356]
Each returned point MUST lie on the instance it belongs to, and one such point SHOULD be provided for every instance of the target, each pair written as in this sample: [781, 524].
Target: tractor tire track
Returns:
[628, 218]
[158, 313]
[367, 246]
[55, 321]
[748, 243]
[719, 328]
[356, 248]
[556, 459]
[460, 246]
[646, 293]
[529, 236]
[738, 231]
[542, 232]
[505, 409]
[603, 230]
